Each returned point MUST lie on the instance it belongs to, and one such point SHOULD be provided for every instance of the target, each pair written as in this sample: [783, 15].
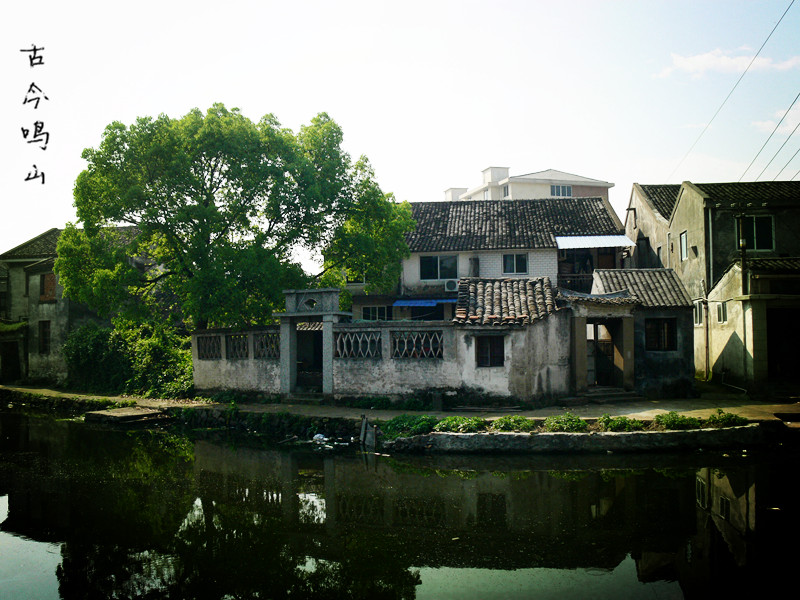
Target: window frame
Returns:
[516, 258]
[505, 191]
[697, 312]
[438, 258]
[45, 332]
[755, 231]
[722, 312]
[683, 245]
[375, 312]
[560, 190]
[490, 351]
[661, 334]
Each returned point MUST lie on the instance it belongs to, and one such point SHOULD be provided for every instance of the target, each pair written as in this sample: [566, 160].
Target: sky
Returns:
[432, 92]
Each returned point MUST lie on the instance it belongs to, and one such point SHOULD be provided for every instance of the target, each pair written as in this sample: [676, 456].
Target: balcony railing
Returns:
[576, 282]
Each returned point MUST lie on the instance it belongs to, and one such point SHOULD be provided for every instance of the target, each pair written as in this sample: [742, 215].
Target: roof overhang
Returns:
[593, 241]
[426, 302]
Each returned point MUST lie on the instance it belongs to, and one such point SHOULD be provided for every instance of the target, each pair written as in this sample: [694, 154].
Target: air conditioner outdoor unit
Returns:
[451, 285]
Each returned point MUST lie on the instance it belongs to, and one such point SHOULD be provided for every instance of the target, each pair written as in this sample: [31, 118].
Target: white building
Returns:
[498, 185]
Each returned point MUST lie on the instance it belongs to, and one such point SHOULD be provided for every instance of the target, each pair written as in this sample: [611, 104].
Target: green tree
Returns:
[213, 206]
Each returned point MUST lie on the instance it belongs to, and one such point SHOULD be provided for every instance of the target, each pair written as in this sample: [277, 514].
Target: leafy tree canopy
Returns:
[199, 217]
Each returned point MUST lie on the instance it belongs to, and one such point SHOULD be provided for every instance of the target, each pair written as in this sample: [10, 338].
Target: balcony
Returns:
[581, 282]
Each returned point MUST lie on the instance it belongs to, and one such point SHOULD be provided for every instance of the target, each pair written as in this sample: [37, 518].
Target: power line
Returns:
[768, 139]
[732, 90]
[782, 145]
[787, 164]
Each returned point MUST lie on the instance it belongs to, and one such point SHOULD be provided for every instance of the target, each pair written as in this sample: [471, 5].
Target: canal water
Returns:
[92, 512]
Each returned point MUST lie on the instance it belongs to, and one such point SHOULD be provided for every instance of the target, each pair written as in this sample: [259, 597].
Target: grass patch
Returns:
[513, 423]
[723, 419]
[457, 424]
[408, 425]
[622, 423]
[567, 423]
[673, 420]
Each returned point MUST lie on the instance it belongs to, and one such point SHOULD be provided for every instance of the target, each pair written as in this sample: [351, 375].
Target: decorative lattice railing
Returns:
[236, 346]
[267, 344]
[209, 347]
[417, 344]
[357, 344]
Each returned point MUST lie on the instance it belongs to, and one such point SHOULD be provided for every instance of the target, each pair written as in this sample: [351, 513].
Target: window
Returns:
[485, 194]
[684, 246]
[438, 267]
[44, 337]
[376, 313]
[700, 493]
[489, 351]
[758, 233]
[515, 263]
[725, 508]
[47, 287]
[698, 312]
[505, 191]
[722, 312]
[561, 190]
[660, 334]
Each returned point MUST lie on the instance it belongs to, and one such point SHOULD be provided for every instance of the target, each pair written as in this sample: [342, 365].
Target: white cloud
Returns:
[718, 61]
[788, 125]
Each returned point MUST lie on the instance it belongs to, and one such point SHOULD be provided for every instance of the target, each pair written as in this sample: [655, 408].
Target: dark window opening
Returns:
[489, 351]
[515, 263]
[660, 334]
[44, 337]
[438, 267]
[757, 231]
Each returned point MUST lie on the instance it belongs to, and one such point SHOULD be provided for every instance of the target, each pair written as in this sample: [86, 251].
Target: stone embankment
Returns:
[635, 441]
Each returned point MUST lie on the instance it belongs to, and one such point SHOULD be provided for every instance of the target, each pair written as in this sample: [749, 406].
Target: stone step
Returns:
[125, 416]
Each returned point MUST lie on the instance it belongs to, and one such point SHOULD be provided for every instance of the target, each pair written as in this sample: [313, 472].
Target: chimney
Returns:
[494, 174]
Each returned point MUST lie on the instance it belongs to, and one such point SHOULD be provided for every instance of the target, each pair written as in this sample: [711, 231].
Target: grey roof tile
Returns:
[656, 288]
[506, 224]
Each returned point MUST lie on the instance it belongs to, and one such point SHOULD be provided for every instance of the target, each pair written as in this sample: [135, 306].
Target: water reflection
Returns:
[154, 515]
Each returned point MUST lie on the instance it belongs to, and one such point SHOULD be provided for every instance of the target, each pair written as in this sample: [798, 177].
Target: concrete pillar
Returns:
[288, 355]
[628, 381]
[327, 354]
[578, 354]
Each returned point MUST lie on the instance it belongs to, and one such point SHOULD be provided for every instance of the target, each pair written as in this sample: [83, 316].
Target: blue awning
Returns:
[426, 302]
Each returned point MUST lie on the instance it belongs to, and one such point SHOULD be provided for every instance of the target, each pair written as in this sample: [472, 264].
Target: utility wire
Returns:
[767, 142]
[732, 90]
[787, 164]
[782, 145]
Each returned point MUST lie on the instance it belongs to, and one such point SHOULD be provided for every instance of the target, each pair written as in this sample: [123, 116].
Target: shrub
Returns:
[608, 423]
[459, 424]
[566, 422]
[673, 420]
[513, 423]
[408, 425]
[723, 419]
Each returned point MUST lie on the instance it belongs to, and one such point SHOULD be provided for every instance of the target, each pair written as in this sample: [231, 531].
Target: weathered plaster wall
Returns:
[689, 216]
[664, 373]
[247, 374]
[642, 221]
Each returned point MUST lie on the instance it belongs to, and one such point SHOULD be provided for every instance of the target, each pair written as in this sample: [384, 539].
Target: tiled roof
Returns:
[656, 288]
[622, 297]
[662, 197]
[506, 224]
[775, 266]
[503, 301]
[753, 193]
[42, 246]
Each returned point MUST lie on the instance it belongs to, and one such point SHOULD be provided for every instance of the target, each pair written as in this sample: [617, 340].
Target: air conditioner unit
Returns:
[451, 285]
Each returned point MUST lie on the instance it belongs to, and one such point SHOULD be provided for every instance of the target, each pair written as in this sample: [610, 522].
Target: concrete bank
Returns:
[755, 434]
[771, 423]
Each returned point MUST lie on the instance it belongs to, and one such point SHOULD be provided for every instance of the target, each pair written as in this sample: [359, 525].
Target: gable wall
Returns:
[689, 216]
[646, 224]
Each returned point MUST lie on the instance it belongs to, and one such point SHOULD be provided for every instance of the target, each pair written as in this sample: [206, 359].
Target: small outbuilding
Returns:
[663, 329]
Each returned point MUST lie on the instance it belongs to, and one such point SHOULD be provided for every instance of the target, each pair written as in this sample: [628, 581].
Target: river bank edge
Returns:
[298, 424]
